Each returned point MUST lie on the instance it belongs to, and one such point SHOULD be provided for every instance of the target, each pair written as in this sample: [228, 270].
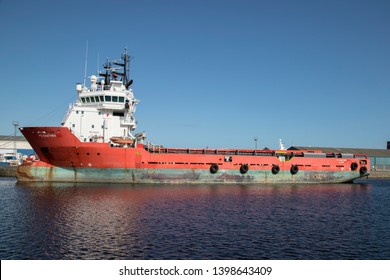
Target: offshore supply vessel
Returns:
[95, 143]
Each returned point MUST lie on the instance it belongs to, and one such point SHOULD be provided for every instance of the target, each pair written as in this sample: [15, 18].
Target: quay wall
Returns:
[379, 175]
[8, 171]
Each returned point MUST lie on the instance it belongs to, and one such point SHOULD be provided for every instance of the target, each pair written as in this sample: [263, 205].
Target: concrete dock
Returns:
[379, 175]
[8, 171]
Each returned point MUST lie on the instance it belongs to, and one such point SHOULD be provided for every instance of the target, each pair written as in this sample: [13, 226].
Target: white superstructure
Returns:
[106, 109]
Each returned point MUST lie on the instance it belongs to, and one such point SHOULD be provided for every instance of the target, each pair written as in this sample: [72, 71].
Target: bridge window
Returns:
[83, 99]
[101, 98]
[107, 98]
[115, 99]
[121, 99]
[96, 98]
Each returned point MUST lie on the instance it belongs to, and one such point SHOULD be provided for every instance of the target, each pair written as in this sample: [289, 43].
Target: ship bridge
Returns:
[106, 109]
[115, 96]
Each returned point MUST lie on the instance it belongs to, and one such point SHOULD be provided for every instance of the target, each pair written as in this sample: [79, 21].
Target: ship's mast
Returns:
[126, 62]
[125, 66]
[112, 73]
[107, 74]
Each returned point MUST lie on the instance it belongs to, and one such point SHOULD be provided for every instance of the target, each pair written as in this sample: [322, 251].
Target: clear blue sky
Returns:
[209, 72]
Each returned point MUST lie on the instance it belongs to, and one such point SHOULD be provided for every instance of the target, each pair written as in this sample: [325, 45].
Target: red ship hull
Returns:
[63, 158]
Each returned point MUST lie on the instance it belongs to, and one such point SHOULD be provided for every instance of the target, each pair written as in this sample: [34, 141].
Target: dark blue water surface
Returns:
[92, 221]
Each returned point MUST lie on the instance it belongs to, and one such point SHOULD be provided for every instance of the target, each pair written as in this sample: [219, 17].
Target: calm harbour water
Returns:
[92, 221]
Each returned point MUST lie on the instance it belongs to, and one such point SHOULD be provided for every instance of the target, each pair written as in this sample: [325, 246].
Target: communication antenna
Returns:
[97, 63]
[86, 63]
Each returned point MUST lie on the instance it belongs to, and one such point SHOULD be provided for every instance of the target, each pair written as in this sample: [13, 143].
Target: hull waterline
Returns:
[31, 173]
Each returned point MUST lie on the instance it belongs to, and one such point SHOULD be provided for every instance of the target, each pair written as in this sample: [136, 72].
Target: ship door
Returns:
[138, 160]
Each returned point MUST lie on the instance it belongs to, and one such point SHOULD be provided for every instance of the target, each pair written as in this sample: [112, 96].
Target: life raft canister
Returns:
[275, 169]
[244, 168]
[294, 169]
[214, 168]
[354, 166]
